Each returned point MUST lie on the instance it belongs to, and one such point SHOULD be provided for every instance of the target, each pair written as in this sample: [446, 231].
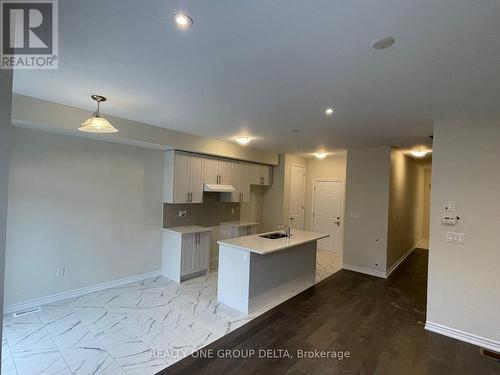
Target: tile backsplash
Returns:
[210, 213]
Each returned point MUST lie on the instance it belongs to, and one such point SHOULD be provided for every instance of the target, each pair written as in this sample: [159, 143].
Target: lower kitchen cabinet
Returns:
[235, 229]
[185, 252]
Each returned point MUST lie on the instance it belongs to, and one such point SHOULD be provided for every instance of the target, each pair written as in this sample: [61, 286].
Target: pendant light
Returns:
[96, 123]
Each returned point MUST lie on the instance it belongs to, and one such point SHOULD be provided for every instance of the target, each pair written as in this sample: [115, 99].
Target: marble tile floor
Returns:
[135, 329]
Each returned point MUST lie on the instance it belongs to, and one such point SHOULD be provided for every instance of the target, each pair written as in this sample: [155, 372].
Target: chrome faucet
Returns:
[285, 229]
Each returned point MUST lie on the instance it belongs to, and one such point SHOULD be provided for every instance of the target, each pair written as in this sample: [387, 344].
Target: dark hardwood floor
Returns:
[380, 322]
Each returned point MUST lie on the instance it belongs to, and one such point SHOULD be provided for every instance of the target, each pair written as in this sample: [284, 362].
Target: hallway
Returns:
[379, 321]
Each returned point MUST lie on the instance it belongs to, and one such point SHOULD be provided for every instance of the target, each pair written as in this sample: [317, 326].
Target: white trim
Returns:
[342, 210]
[482, 342]
[367, 271]
[36, 302]
[399, 261]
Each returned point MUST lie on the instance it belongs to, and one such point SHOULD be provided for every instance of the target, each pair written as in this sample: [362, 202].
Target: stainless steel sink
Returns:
[274, 236]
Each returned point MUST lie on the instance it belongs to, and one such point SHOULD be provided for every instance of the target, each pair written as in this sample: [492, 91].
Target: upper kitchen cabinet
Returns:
[183, 178]
[261, 174]
[217, 171]
[240, 179]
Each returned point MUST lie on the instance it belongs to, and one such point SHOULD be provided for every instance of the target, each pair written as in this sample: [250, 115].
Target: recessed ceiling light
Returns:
[383, 43]
[295, 131]
[329, 111]
[320, 155]
[419, 153]
[182, 20]
[243, 140]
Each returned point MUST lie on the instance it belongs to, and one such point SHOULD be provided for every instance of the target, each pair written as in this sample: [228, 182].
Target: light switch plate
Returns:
[182, 213]
[455, 237]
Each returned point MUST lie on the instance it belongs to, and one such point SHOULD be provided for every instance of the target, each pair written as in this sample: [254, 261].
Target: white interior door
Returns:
[297, 197]
[327, 213]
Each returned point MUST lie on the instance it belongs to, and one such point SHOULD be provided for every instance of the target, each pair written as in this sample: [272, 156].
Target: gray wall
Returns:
[366, 208]
[464, 280]
[58, 118]
[406, 206]
[91, 206]
[5, 129]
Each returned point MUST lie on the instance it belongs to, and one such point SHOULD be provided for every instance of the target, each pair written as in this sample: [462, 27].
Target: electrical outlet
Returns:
[182, 213]
[232, 211]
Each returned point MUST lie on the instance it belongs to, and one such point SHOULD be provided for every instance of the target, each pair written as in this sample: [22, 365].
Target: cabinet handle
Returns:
[187, 197]
[191, 197]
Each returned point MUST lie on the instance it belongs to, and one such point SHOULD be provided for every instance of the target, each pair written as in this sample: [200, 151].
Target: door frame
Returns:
[303, 194]
[342, 206]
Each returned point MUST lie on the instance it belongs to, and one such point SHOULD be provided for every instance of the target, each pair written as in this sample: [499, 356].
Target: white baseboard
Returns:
[77, 292]
[399, 261]
[367, 271]
[463, 336]
[373, 272]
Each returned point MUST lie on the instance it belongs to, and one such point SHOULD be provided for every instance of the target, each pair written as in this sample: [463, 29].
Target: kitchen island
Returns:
[255, 270]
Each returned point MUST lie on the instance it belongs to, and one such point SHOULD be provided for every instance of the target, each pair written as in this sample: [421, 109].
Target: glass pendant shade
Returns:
[97, 124]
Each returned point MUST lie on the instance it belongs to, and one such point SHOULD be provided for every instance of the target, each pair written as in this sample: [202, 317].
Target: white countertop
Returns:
[238, 223]
[188, 229]
[259, 245]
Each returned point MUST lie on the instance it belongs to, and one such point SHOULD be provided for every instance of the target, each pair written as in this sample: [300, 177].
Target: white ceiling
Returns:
[268, 67]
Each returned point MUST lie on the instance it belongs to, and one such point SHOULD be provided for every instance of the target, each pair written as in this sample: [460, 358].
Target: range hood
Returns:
[218, 188]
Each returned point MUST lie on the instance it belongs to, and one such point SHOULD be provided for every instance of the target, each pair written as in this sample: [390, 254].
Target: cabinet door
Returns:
[188, 256]
[203, 250]
[256, 175]
[264, 175]
[211, 171]
[235, 180]
[261, 174]
[181, 178]
[196, 179]
[225, 172]
[245, 179]
[242, 231]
